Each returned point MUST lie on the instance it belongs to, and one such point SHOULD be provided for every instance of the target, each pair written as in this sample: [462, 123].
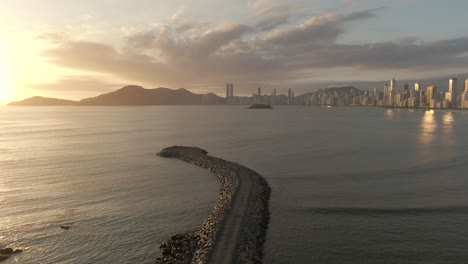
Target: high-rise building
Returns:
[406, 87]
[431, 96]
[452, 93]
[466, 86]
[417, 87]
[392, 85]
[453, 83]
[289, 93]
[231, 90]
[259, 91]
[227, 91]
[274, 92]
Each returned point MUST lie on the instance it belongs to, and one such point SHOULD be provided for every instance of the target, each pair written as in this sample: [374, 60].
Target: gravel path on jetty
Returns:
[234, 232]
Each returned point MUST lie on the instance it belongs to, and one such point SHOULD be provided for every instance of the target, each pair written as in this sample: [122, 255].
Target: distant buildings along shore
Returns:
[392, 96]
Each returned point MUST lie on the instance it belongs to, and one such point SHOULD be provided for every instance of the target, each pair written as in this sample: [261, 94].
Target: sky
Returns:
[76, 49]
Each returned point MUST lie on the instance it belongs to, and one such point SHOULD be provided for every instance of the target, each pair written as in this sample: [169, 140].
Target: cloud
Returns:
[256, 4]
[141, 40]
[324, 29]
[53, 37]
[272, 17]
[257, 53]
[75, 83]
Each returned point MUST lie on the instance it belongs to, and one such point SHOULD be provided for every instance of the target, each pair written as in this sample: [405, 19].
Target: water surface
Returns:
[350, 185]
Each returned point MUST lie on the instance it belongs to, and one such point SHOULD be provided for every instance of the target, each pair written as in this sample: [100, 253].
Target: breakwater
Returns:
[235, 230]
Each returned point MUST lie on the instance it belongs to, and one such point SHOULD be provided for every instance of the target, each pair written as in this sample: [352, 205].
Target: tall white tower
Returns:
[417, 87]
[392, 85]
[451, 96]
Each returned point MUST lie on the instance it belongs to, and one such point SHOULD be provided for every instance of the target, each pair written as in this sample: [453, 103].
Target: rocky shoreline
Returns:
[6, 253]
[197, 247]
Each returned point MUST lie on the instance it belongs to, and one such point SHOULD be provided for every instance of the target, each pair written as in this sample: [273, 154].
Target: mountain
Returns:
[43, 101]
[137, 95]
[134, 96]
[328, 95]
[350, 90]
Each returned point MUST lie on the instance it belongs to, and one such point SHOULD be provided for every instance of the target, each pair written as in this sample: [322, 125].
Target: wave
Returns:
[385, 211]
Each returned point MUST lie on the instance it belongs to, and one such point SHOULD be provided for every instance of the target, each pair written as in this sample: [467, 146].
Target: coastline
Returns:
[235, 230]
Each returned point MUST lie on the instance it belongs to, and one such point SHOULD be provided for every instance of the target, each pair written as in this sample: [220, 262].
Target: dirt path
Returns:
[227, 242]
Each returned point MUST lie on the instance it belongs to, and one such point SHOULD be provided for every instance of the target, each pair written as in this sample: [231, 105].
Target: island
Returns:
[235, 230]
[131, 95]
[43, 101]
[260, 106]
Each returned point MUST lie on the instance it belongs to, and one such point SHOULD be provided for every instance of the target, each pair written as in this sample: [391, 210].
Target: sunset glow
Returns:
[79, 52]
[6, 85]
[233, 131]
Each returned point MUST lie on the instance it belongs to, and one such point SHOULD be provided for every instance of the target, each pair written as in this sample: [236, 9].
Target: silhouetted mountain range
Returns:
[345, 89]
[43, 101]
[131, 96]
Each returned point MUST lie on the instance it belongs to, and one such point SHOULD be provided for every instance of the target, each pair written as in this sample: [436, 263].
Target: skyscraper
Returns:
[289, 93]
[451, 95]
[464, 96]
[259, 91]
[431, 96]
[231, 90]
[227, 90]
[392, 85]
[274, 92]
[417, 87]
[453, 83]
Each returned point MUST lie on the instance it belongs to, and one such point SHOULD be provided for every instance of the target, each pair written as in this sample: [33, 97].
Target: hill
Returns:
[350, 90]
[132, 96]
[43, 101]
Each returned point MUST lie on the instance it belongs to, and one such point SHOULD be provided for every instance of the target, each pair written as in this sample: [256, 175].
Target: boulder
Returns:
[6, 251]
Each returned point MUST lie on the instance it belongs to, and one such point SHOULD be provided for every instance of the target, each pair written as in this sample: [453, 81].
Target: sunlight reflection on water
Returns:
[428, 128]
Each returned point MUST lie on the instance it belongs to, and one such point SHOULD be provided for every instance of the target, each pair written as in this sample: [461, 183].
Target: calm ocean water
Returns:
[350, 185]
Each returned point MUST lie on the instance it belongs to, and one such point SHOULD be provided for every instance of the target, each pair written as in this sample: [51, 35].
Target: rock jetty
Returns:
[234, 232]
[260, 106]
[5, 253]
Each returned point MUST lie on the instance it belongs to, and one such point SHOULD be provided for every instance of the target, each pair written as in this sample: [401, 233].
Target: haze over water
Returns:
[350, 185]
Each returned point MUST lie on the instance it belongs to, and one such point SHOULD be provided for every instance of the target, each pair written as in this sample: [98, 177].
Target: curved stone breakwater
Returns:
[235, 230]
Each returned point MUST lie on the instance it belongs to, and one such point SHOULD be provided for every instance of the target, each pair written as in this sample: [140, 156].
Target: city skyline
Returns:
[393, 95]
[95, 47]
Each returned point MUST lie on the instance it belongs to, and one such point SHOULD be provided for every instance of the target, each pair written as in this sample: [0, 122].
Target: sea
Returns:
[350, 185]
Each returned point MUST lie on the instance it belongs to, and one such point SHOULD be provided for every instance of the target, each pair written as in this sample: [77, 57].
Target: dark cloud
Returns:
[263, 52]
